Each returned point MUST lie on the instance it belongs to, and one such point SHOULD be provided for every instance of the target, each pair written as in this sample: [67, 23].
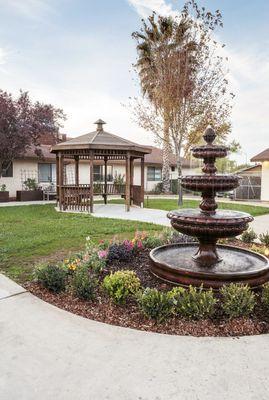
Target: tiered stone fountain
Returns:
[206, 262]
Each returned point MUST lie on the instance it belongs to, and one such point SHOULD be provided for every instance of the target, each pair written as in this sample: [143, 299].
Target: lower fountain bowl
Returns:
[174, 263]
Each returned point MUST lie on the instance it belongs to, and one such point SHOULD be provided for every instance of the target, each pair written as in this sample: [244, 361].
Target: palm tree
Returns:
[153, 47]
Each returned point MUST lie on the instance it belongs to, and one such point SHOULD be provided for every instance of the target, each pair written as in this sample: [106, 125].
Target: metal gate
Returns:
[249, 189]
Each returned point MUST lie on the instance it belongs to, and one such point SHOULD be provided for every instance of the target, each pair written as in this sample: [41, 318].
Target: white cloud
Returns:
[145, 7]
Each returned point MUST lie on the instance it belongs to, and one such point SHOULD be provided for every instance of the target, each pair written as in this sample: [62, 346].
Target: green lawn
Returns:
[30, 234]
[171, 204]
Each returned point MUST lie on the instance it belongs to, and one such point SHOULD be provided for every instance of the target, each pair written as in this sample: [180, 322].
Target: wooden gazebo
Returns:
[98, 146]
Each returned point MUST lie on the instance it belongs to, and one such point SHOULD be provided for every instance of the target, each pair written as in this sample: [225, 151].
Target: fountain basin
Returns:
[224, 223]
[174, 263]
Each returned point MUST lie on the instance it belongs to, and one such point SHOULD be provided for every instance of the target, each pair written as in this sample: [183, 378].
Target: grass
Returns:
[171, 204]
[35, 233]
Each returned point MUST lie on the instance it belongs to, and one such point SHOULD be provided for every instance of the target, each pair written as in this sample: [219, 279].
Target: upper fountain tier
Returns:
[210, 181]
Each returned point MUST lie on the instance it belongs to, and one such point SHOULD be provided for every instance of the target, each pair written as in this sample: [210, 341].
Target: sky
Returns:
[78, 55]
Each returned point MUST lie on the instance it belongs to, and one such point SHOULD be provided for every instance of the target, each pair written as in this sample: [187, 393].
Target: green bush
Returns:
[152, 241]
[193, 303]
[264, 238]
[121, 284]
[52, 277]
[248, 236]
[95, 263]
[265, 295]
[237, 300]
[155, 304]
[84, 284]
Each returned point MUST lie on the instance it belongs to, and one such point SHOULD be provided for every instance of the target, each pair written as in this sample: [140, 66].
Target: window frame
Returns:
[156, 176]
[50, 177]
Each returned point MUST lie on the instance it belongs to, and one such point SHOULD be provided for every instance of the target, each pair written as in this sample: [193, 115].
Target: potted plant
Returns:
[32, 192]
[4, 194]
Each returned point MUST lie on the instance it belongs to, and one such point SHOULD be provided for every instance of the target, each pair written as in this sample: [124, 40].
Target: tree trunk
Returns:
[179, 186]
[179, 174]
[166, 159]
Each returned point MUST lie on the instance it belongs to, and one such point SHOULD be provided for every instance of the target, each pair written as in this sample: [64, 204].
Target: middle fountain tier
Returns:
[207, 263]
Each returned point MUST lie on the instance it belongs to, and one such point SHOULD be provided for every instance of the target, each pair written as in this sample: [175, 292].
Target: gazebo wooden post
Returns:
[57, 178]
[105, 194]
[127, 183]
[91, 181]
[142, 180]
[77, 170]
[61, 179]
[131, 179]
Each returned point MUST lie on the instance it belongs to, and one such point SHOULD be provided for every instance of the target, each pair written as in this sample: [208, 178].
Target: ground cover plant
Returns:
[122, 291]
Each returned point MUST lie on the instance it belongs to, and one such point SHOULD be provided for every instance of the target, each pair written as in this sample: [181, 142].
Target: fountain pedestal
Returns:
[207, 263]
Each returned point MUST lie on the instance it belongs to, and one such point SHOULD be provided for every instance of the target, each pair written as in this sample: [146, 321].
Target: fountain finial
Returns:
[209, 135]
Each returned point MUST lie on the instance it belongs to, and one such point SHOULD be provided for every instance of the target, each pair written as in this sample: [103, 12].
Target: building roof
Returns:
[45, 151]
[263, 156]
[100, 139]
[156, 157]
[250, 170]
[153, 158]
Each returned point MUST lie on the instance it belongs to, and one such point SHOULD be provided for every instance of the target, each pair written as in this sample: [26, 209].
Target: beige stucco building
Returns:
[263, 158]
[44, 170]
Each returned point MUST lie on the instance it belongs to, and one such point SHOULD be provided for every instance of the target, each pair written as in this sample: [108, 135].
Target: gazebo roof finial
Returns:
[100, 124]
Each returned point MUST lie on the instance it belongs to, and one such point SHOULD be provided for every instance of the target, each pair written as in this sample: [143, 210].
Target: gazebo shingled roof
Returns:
[100, 139]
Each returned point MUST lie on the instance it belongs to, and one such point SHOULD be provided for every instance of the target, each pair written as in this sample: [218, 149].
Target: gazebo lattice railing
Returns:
[95, 147]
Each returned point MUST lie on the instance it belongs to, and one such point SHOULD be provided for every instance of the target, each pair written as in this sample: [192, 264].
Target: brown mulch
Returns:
[129, 315]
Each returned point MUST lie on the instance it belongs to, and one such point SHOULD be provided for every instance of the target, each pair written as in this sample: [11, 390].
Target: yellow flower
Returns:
[266, 252]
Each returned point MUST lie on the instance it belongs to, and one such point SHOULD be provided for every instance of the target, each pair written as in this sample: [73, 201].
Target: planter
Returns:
[29, 195]
[4, 196]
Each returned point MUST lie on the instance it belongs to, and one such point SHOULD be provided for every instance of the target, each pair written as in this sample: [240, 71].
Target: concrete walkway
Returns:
[50, 354]
[260, 223]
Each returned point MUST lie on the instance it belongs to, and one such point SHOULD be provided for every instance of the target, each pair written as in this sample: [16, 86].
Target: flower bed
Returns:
[111, 282]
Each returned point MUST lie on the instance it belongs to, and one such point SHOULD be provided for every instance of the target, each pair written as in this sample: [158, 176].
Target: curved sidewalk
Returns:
[50, 354]
[260, 223]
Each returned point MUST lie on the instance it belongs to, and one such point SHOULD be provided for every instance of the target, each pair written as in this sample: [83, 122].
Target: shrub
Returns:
[155, 304]
[84, 284]
[119, 251]
[152, 241]
[121, 284]
[52, 277]
[248, 236]
[30, 184]
[94, 262]
[264, 238]
[265, 295]
[259, 249]
[193, 303]
[237, 300]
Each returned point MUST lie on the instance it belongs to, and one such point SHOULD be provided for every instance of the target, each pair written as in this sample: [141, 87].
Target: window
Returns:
[7, 170]
[99, 173]
[46, 173]
[154, 174]
[173, 169]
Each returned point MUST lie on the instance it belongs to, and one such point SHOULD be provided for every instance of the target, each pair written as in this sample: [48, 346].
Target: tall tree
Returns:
[22, 124]
[153, 50]
[183, 75]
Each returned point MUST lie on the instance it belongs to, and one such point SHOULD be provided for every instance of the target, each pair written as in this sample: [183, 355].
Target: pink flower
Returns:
[102, 253]
[129, 245]
[139, 244]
